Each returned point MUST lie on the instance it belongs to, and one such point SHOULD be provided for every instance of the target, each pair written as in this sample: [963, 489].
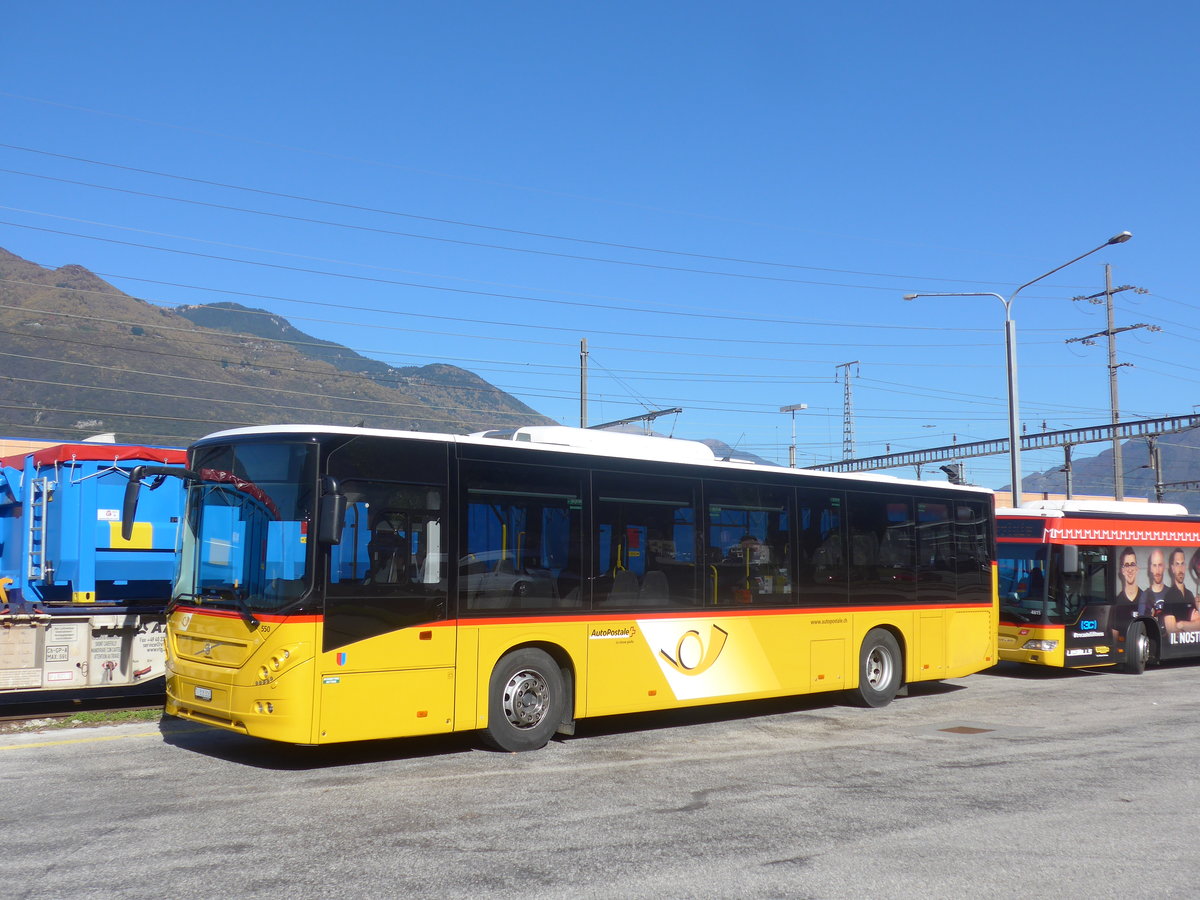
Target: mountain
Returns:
[1180, 456]
[243, 320]
[437, 384]
[85, 357]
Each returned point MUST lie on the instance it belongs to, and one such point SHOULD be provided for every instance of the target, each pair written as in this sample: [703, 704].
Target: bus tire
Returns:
[526, 701]
[1137, 648]
[880, 666]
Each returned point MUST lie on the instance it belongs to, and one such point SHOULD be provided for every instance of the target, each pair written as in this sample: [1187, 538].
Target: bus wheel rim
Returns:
[879, 668]
[526, 698]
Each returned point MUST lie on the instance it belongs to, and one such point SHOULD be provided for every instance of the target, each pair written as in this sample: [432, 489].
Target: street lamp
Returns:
[1010, 349]
[792, 449]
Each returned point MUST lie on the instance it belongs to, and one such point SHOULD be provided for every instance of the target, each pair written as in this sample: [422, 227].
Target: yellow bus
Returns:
[343, 584]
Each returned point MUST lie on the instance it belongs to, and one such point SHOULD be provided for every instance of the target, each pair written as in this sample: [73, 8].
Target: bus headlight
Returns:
[1046, 646]
[264, 706]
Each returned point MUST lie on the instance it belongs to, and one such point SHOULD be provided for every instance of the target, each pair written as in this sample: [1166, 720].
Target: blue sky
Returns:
[727, 201]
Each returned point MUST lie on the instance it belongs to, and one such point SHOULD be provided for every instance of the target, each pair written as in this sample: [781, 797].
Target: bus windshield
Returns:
[245, 541]
[1022, 570]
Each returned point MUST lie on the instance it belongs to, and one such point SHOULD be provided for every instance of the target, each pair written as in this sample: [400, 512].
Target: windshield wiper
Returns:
[237, 598]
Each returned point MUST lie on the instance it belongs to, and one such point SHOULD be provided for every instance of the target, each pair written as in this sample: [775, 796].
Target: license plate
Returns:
[203, 693]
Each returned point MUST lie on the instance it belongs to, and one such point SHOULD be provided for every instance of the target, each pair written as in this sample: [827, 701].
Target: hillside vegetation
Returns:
[86, 358]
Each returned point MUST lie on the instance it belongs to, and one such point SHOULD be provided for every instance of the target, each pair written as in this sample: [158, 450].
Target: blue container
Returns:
[82, 607]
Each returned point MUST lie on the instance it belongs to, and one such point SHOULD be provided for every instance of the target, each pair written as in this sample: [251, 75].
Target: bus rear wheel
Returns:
[1137, 649]
[879, 669]
[526, 701]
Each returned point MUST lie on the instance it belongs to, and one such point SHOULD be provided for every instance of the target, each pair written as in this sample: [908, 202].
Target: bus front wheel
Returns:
[526, 701]
[879, 669]
[1137, 649]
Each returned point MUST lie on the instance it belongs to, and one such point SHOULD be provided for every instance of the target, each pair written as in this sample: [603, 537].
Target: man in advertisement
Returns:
[1180, 613]
[1130, 602]
[1156, 592]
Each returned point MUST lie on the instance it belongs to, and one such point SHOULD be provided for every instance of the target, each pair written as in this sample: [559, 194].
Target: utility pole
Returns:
[848, 415]
[583, 360]
[1156, 467]
[1111, 333]
[792, 447]
[1067, 469]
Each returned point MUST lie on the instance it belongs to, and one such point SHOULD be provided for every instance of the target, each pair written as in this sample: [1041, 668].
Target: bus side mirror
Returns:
[332, 514]
[129, 506]
[136, 474]
[1070, 562]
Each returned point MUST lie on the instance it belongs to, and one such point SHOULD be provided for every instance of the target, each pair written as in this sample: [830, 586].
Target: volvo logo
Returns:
[207, 649]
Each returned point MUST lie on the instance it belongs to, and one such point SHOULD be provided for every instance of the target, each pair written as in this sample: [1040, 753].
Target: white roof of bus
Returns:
[613, 444]
[1057, 509]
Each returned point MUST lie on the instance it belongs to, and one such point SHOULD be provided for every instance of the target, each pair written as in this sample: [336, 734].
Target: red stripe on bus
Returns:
[594, 616]
[234, 614]
[706, 612]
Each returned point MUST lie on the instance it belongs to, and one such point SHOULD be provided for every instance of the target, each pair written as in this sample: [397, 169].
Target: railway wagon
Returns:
[81, 607]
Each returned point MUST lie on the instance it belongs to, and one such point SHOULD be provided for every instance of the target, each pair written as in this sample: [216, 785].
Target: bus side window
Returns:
[646, 535]
[348, 559]
[973, 551]
[749, 546]
[820, 570]
[521, 538]
[936, 578]
[883, 548]
[391, 539]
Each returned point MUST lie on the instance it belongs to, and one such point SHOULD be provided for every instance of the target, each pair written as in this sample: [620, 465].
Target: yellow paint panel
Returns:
[418, 647]
[368, 705]
[930, 658]
[828, 665]
[971, 638]
[622, 672]
[469, 713]
[142, 537]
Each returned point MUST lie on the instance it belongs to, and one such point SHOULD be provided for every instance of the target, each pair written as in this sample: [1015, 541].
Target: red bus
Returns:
[1098, 583]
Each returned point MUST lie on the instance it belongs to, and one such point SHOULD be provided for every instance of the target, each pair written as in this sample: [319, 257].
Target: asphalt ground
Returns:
[1009, 783]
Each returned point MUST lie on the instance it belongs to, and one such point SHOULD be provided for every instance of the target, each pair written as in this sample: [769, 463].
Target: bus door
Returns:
[1078, 596]
[387, 580]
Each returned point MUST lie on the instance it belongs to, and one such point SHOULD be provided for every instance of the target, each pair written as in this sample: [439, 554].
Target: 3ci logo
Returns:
[692, 654]
[1088, 624]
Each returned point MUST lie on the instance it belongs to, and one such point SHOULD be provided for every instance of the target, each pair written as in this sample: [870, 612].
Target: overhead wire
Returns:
[464, 224]
[563, 238]
[474, 321]
[417, 285]
[507, 248]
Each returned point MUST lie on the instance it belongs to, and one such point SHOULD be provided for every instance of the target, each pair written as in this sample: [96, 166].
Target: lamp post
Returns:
[1010, 354]
[792, 449]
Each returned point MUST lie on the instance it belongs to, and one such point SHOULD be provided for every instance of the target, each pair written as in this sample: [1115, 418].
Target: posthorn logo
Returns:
[693, 654]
